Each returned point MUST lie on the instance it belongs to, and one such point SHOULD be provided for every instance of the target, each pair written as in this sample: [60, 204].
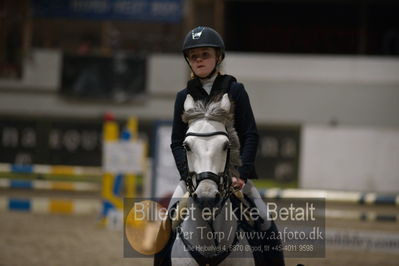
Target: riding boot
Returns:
[272, 247]
[163, 258]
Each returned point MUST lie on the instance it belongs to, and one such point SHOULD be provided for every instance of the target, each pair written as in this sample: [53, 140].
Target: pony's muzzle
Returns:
[217, 197]
[207, 193]
[207, 202]
[206, 199]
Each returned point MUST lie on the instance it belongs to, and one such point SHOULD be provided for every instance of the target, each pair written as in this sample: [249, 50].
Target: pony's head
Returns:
[212, 149]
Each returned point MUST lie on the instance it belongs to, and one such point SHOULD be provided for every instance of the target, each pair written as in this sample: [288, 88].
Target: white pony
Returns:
[210, 233]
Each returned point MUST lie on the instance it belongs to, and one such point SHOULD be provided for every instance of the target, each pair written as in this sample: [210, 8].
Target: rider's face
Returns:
[202, 60]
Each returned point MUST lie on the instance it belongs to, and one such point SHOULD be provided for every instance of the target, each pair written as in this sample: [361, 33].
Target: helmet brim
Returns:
[203, 46]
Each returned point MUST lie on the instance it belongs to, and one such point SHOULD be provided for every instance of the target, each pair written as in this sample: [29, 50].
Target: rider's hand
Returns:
[237, 183]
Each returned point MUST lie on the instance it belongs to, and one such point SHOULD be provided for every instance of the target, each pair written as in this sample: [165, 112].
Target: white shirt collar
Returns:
[207, 83]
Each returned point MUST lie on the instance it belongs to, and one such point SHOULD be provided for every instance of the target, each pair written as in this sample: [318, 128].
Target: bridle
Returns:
[224, 187]
[222, 179]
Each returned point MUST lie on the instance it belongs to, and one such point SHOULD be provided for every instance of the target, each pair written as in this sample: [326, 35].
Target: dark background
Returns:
[318, 27]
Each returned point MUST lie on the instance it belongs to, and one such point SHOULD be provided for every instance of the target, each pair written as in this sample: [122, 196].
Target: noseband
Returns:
[220, 179]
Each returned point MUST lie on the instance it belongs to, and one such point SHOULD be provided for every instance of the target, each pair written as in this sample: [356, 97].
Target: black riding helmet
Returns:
[203, 37]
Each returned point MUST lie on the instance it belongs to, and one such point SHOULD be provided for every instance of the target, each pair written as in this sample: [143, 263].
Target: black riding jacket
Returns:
[244, 122]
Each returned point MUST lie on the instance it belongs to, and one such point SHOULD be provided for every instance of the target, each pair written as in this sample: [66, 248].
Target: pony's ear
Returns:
[225, 103]
[188, 103]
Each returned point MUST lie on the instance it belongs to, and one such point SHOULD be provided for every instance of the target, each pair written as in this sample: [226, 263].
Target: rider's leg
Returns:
[252, 192]
[179, 192]
[275, 256]
[163, 257]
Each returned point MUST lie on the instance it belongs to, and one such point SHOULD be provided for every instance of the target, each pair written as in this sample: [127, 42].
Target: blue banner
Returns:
[143, 10]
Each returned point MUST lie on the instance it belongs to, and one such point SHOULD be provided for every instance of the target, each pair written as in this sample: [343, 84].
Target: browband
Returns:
[207, 134]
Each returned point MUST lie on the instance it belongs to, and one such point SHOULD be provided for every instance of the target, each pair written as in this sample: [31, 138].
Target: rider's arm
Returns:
[245, 126]
[179, 130]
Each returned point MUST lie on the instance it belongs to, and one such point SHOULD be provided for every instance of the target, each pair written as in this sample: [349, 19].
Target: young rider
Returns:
[204, 50]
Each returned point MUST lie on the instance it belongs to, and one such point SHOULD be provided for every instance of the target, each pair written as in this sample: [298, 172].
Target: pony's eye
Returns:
[186, 146]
